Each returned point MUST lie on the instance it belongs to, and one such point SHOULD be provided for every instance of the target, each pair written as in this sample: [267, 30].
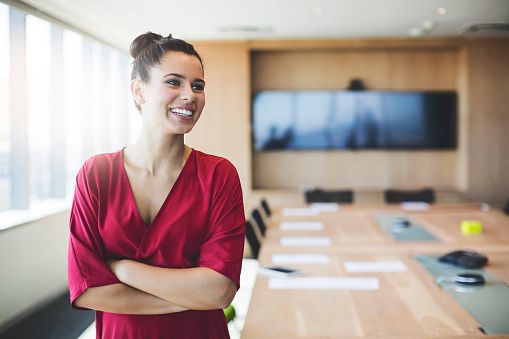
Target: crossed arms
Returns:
[146, 289]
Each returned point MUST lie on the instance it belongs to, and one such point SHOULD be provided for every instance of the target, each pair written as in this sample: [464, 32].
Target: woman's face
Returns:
[174, 97]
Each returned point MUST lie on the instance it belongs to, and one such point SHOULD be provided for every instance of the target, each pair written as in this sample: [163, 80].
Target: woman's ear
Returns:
[137, 91]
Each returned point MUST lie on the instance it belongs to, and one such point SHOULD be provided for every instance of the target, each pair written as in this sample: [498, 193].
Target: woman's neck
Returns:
[155, 153]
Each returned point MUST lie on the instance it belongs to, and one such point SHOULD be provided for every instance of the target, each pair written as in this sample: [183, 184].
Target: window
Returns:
[39, 120]
[5, 121]
[72, 101]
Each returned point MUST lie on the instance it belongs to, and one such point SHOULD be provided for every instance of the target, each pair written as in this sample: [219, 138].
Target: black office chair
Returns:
[265, 207]
[393, 196]
[340, 196]
[252, 240]
[259, 221]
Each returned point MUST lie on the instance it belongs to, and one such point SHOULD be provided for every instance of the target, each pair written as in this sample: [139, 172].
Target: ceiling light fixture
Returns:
[442, 10]
[415, 31]
[428, 25]
[318, 11]
[244, 29]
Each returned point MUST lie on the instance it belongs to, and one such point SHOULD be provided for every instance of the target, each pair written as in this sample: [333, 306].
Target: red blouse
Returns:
[200, 224]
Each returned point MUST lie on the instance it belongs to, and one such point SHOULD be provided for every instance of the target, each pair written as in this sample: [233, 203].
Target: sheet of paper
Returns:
[305, 241]
[374, 266]
[325, 206]
[299, 212]
[301, 226]
[324, 283]
[300, 259]
[415, 206]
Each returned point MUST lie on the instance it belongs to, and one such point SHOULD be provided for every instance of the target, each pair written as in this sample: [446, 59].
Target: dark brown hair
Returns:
[148, 49]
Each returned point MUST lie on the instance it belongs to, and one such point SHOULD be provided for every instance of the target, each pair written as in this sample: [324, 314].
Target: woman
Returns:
[157, 229]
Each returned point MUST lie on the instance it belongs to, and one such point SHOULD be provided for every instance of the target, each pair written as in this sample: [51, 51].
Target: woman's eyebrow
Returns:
[180, 76]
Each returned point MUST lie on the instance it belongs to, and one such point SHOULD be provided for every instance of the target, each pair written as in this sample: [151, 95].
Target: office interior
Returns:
[34, 252]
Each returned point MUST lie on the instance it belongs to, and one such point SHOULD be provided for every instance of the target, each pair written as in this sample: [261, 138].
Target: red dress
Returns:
[200, 224]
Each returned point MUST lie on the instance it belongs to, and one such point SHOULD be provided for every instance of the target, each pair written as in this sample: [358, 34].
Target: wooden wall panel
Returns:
[488, 125]
[362, 170]
[391, 69]
[463, 137]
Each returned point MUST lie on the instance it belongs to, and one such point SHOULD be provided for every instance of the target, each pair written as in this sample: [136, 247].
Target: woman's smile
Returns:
[184, 113]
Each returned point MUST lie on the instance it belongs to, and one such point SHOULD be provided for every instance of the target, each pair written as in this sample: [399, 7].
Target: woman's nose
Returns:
[187, 94]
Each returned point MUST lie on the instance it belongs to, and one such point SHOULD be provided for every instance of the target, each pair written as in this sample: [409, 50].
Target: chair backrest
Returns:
[252, 240]
[397, 196]
[340, 196]
[259, 221]
[265, 207]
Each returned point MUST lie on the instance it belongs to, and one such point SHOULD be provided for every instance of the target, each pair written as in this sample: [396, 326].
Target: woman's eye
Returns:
[198, 87]
[173, 82]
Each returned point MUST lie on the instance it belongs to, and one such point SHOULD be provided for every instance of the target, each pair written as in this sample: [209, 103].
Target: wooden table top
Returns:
[354, 229]
[408, 304]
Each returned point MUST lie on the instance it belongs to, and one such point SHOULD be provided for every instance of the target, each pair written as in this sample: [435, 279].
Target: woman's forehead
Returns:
[181, 62]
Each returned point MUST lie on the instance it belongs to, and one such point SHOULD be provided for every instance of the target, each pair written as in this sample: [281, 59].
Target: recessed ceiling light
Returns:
[244, 29]
[415, 31]
[317, 11]
[428, 25]
[442, 10]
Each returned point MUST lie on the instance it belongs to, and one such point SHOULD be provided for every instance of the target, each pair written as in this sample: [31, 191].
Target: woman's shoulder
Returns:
[101, 164]
[214, 163]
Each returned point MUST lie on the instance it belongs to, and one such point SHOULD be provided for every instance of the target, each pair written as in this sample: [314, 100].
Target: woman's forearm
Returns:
[198, 288]
[124, 299]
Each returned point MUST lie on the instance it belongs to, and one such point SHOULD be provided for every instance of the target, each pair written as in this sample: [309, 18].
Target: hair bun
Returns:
[142, 42]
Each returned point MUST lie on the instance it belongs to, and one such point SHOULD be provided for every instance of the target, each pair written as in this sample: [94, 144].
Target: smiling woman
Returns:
[157, 228]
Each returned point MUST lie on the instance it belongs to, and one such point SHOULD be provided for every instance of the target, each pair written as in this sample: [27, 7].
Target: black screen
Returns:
[322, 120]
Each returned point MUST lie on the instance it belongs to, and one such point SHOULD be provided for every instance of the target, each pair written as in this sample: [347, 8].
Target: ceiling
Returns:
[118, 22]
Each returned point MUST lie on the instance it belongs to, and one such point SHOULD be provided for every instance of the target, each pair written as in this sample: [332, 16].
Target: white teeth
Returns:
[182, 112]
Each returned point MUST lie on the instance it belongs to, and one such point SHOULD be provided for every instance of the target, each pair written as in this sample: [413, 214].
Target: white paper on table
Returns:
[374, 266]
[415, 206]
[325, 206]
[305, 241]
[324, 283]
[301, 226]
[300, 259]
[299, 212]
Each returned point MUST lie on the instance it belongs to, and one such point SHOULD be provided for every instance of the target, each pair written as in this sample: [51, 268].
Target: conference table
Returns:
[407, 303]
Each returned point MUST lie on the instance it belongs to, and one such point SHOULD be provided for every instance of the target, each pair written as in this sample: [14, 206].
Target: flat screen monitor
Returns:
[342, 120]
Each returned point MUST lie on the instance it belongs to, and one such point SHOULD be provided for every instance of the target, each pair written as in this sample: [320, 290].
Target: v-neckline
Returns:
[133, 200]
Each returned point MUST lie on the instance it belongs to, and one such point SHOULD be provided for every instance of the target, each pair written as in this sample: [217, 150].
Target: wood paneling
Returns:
[363, 170]
[382, 70]
[391, 69]
[488, 124]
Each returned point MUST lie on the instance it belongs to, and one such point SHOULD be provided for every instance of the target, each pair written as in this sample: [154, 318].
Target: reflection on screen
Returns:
[307, 120]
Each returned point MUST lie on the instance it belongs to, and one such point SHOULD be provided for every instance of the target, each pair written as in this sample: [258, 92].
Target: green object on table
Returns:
[412, 231]
[229, 313]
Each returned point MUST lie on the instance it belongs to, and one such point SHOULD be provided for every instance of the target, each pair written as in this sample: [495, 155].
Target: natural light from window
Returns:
[73, 103]
[5, 121]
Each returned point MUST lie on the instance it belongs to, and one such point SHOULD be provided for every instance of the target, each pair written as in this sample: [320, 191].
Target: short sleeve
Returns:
[85, 266]
[223, 248]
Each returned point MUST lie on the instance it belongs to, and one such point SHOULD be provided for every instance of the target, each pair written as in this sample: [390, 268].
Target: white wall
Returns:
[33, 264]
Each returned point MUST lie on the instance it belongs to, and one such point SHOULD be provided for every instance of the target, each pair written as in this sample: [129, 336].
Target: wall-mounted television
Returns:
[343, 120]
